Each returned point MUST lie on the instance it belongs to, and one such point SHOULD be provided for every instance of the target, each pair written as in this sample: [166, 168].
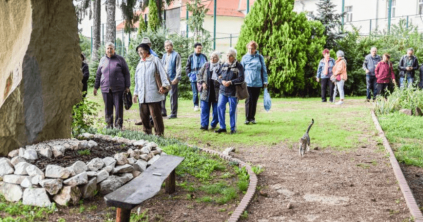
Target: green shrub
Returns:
[83, 117]
[408, 98]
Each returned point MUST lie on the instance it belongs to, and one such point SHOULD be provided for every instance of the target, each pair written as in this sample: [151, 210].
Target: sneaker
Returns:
[196, 108]
[340, 103]
[204, 128]
[368, 100]
[138, 123]
[247, 122]
[164, 114]
[220, 131]
[233, 131]
[253, 122]
[172, 117]
[213, 128]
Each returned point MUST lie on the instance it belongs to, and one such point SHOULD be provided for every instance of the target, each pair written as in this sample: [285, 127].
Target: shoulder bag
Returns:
[159, 79]
[241, 91]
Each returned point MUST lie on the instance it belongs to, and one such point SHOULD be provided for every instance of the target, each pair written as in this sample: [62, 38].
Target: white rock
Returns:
[58, 151]
[52, 186]
[72, 172]
[74, 145]
[35, 180]
[12, 192]
[102, 175]
[140, 143]
[92, 144]
[152, 144]
[87, 135]
[30, 155]
[17, 159]
[67, 146]
[154, 159]
[144, 157]
[79, 167]
[229, 150]
[159, 150]
[26, 183]
[88, 190]
[83, 144]
[123, 169]
[31, 147]
[79, 179]
[20, 168]
[13, 153]
[45, 152]
[14, 179]
[136, 173]
[108, 169]
[126, 177]
[36, 197]
[21, 152]
[68, 195]
[33, 171]
[109, 161]
[121, 158]
[54, 171]
[131, 160]
[140, 165]
[91, 174]
[146, 150]
[95, 164]
[6, 167]
[110, 184]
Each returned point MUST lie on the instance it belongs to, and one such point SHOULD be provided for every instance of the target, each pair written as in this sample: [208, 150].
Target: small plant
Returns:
[244, 215]
[83, 117]
[92, 208]
[143, 217]
[84, 152]
[61, 220]
[222, 209]
[257, 169]
[206, 199]
[242, 185]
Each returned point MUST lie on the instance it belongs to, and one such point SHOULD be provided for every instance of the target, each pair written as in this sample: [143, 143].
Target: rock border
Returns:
[405, 189]
[246, 200]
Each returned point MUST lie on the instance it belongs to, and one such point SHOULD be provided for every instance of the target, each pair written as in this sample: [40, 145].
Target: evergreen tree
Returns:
[153, 16]
[141, 27]
[331, 20]
[196, 20]
[159, 4]
[285, 39]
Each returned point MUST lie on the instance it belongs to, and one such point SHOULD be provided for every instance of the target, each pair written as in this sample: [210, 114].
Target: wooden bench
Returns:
[144, 187]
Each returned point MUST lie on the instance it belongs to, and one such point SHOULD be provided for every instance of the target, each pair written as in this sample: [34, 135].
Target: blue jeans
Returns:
[409, 82]
[233, 101]
[205, 114]
[371, 86]
[194, 93]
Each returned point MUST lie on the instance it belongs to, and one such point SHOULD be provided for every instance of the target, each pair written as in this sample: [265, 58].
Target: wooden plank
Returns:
[171, 183]
[123, 215]
[145, 186]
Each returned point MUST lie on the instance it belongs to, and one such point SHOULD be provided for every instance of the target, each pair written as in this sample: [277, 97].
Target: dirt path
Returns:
[325, 185]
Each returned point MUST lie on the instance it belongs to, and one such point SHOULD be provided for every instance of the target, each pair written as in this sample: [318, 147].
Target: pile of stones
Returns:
[20, 179]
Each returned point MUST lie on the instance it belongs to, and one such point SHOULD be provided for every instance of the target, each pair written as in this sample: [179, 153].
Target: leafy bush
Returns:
[85, 44]
[84, 115]
[408, 98]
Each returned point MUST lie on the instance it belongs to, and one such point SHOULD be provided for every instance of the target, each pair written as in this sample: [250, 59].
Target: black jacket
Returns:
[236, 75]
[85, 76]
[421, 77]
[204, 76]
[402, 66]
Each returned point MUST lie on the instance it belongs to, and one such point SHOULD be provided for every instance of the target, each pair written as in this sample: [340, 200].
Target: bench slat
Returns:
[145, 186]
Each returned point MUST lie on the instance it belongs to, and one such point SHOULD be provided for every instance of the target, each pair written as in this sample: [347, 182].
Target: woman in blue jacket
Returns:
[324, 72]
[255, 77]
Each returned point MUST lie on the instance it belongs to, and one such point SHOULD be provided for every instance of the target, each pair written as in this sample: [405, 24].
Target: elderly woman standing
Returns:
[114, 78]
[255, 77]
[384, 74]
[324, 72]
[231, 74]
[150, 89]
[207, 77]
[339, 76]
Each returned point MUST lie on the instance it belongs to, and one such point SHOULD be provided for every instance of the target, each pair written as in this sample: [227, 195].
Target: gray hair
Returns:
[232, 51]
[340, 53]
[373, 48]
[215, 53]
[110, 44]
[169, 42]
[410, 49]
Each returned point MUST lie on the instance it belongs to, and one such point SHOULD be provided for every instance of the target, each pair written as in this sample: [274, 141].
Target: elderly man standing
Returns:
[407, 66]
[114, 78]
[172, 64]
[194, 63]
[369, 65]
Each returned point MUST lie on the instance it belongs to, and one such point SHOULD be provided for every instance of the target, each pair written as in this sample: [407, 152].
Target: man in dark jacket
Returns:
[114, 78]
[407, 66]
[194, 63]
[85, 76]
[369, 65]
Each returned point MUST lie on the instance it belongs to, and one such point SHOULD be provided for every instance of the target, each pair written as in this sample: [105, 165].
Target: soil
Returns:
[104, 149]
[414, 177]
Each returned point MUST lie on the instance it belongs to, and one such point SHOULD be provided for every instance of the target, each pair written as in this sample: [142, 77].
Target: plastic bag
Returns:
[266, 100]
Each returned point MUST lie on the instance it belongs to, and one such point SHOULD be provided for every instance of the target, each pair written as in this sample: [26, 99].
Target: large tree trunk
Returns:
[111, 21]
[96, 29]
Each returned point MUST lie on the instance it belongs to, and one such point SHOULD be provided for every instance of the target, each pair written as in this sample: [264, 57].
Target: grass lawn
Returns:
[338, 127]
[405, 133]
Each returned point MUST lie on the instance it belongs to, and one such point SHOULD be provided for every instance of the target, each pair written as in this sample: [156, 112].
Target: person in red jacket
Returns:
[384, 73]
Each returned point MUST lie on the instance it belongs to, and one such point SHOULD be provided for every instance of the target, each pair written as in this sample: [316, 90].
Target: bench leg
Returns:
[123, 215]
[171, 183]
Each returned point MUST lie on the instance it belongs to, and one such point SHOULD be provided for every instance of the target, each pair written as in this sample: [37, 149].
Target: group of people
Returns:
[156, 78]
[379, 73]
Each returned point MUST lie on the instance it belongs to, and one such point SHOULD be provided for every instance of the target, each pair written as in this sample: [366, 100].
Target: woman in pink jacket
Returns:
[384, 73]
[339, 76]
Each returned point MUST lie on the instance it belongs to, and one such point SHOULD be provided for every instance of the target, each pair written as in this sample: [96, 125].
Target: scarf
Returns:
[213, 68]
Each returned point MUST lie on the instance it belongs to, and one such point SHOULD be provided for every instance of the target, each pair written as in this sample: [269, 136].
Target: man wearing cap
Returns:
[147, 41]
[194, 63]
[172, 63]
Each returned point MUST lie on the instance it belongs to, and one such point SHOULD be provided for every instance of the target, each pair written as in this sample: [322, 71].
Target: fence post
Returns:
[343, 9]
[122, 45]
[91, 41]
[102, 34]
[407, 21]
[214, 28]
[389, 16]
[370, 30]
[230, 40]
[187, 20]
[248, 6]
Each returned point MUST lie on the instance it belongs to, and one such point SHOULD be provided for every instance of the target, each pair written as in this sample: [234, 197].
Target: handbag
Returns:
[159, 79]
[241, 91]
[127, 99]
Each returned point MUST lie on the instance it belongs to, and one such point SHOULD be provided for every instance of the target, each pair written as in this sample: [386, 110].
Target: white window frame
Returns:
[349, 13]
[420, 8]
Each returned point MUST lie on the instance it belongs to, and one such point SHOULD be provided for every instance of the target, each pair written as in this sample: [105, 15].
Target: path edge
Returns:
[246, 200]
[405, 189]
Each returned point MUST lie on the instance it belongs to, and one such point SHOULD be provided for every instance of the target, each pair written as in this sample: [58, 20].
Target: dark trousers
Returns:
[251, 103]
[153, 110]
[113, 99]
[371, 86]
[324, 83]
[173, 94]
[194, 93]
[382, 89]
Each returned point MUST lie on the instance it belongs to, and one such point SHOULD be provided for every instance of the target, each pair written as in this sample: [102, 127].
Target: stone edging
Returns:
[251, 187]
[406, 191]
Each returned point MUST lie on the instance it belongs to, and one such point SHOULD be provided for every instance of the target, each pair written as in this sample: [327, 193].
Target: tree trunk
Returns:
[111, 21]
[96, 29]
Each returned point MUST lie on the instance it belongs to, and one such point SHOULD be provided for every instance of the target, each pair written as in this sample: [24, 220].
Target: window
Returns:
[349, 13]
[394, 3]
[420, 7]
